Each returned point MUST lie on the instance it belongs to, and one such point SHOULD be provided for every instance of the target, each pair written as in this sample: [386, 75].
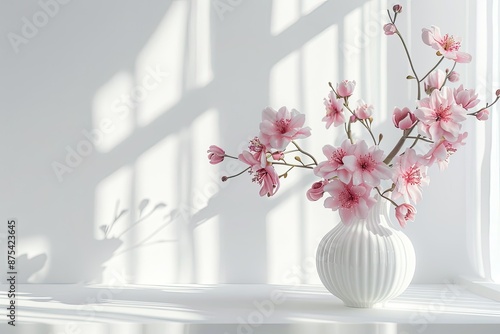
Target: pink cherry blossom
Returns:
[439, 115]
[441, 151]
[363, 111]
[265, 176]
[345, 88]
[403, 119]
[405, 212]
[409, 176]
[279, 128]
[334, 111]
[389, 29]
[215, 154]
[367, 165]
[467, 98]
[483, 115]
[446, 45]
[316, 191]
[434, 81]
[250, 160]
[351, 201]
[268, 179]
[453, 76]
[258, 150]
[334, 166]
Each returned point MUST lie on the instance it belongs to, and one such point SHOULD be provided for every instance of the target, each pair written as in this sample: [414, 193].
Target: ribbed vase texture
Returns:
[368, 261]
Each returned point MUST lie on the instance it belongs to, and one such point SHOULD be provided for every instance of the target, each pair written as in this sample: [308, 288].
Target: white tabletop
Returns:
[238, 308]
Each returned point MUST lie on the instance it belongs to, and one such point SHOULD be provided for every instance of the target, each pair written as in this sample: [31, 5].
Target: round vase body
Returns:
[368, 261]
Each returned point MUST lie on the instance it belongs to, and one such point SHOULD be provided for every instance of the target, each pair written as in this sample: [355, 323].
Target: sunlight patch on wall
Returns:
[284, 240]
[285, 13]
[355, 41]
[284, 86]
[364, 57]
[320, 63]
[206, 183]
[495, 154]
[158, 183]
[112, 112]
[309, 5]
[163, 59]
[374, 59]
[318, 222]
[495, 198]
[200, 60]
[112, 218]
[475, 245]
[207, 250]
[205, 178]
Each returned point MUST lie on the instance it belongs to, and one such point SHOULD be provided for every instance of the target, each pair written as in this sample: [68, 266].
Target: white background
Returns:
[223, 68]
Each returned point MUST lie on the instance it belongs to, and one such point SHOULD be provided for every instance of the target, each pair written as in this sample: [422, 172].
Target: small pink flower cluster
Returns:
[277, 130]
[354, 172]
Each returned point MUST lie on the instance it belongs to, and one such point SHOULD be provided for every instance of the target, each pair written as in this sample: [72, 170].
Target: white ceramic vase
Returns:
[368, 261]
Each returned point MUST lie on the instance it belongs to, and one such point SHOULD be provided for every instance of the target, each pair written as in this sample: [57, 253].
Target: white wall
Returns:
[215, 72]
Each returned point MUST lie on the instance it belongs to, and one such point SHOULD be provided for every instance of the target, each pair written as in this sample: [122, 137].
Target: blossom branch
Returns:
[410, 61]
[390, 17]
[399, 144]
[285, 174]
[387, 198]
[389, 189]
[347, 128]
[432, 69]
[362, 122]
[291, 151]
[415, 141]
[225, 178]
[448, 75]
[304, 152]
[308, 166]
[485, 107]
[333, 89]
[419, 137]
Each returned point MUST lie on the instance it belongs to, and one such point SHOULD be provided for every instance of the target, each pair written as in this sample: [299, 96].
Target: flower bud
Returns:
[403, 119]
[215, 154]
[498, 92]
[345, 88]
[482, 115]
[397, 8]
[453, 76]
[316, 191]
[363, 111]
[390, 29]
[405, 212]
[467, 98]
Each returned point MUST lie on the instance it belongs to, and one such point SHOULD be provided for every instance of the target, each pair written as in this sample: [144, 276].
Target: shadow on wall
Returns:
[153, 139]
[30, 266]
